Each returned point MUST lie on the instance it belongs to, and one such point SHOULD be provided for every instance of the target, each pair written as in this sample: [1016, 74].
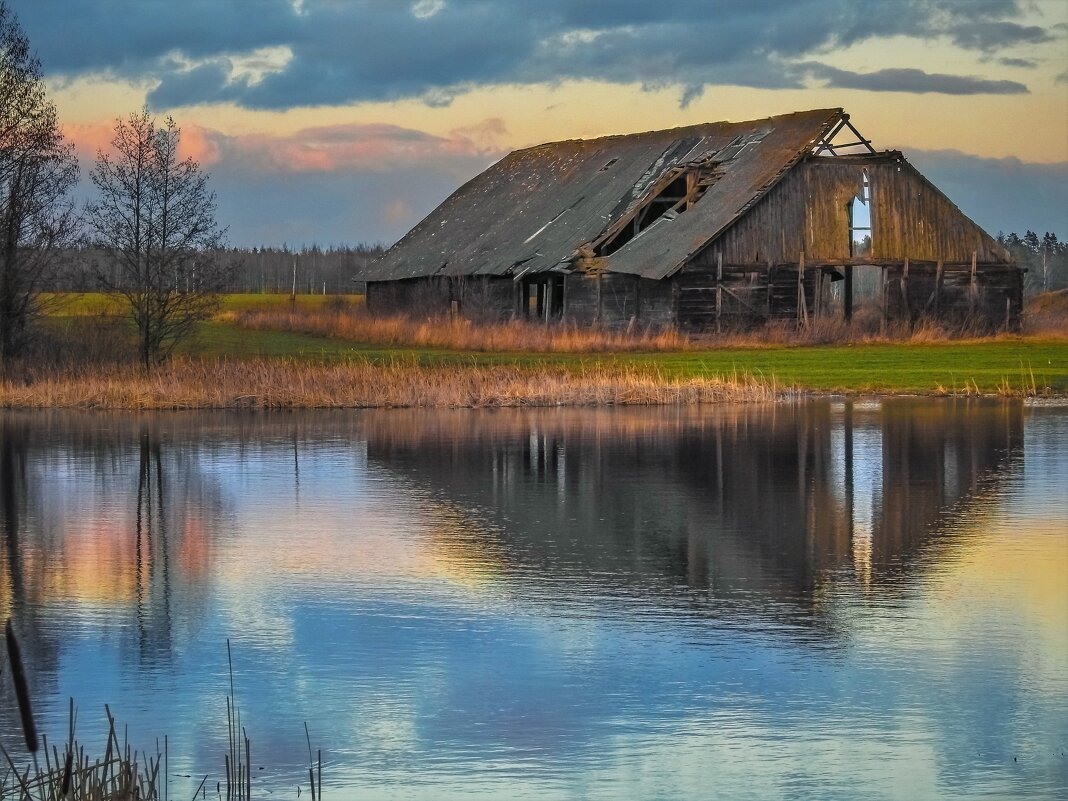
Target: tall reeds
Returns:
[274, 383]
[1046, 318]
[124, 773]
[457, 333]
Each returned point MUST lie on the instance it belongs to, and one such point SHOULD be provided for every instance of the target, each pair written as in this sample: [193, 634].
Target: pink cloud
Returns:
[373, 147]
[369, 147]
[92, 138]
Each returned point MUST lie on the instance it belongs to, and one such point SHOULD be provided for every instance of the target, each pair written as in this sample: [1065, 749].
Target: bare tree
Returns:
[37, 171]
[155, 221]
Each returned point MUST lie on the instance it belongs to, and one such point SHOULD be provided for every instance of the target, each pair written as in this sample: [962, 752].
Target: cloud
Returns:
[274, 54]
[911, 80]
[1023, 63]
[365, 147]
[989, 36]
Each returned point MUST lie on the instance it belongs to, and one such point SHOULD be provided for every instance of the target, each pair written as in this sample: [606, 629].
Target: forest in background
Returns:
[340, 269]
[334, 270]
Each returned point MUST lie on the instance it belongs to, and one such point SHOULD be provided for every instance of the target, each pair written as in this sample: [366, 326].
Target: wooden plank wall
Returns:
[480, 297]
[613, 300]
[994, 298]
[808, 211]
[745, 297]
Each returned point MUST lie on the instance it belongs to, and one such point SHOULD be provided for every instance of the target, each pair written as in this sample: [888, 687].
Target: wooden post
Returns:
[597, 316]
[802, 303]
[885, 273]
[768, 309]
[905, 292]
[719, 290]
[973, 288]
[847, 292]
[938, 289]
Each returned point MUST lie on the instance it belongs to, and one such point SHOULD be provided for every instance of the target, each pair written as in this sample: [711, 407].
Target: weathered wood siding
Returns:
[745, 297]
[808, 210]
[615, 301]
[994, 296]
[481, 297]
[656, 302]
[581, 298]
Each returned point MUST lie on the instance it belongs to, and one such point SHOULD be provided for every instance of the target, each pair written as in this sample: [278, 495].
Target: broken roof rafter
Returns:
[698, 175]
[826, 143]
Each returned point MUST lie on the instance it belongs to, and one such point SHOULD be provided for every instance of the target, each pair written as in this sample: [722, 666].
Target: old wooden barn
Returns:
[704, 227]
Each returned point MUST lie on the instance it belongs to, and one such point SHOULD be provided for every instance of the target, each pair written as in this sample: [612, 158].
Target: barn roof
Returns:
[534, 209]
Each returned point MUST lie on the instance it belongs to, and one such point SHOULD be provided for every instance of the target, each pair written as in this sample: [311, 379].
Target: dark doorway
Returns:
[541, 297]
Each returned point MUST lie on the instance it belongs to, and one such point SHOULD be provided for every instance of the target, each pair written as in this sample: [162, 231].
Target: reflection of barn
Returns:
[702, 227]
[761, 502]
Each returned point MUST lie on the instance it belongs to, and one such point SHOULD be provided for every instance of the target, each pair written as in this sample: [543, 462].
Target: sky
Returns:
[334, 122]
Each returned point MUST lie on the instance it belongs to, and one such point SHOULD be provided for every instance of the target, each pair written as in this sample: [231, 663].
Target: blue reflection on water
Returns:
[832, 600]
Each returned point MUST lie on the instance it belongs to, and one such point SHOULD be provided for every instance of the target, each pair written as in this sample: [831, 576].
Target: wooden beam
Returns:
[719, 289]
[973, 287]
[847, 293]
[904, 284]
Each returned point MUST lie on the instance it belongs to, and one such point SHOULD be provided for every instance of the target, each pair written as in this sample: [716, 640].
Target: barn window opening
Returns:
[541, 297]
[860, 221]
[676, 196]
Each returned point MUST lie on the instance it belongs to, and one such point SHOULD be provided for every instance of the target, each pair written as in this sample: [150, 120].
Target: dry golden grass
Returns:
[1046, 319]
[457, 333]
[273, 384]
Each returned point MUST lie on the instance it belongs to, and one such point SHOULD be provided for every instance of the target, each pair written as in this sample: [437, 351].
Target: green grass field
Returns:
[1019, 363]
[901, 368]
[78, 304]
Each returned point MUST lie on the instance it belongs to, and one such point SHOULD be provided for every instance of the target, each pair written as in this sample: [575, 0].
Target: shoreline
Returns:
[266, 384]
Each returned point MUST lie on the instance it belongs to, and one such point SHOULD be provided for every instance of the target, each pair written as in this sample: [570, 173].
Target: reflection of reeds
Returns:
[265, 384]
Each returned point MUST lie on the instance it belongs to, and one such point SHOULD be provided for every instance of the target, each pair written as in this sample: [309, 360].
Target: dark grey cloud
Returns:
[435, 49]
[912, 80]
[1022, 63]
[989, 36]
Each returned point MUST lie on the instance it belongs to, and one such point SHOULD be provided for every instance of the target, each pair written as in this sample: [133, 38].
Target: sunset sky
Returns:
[345, 122]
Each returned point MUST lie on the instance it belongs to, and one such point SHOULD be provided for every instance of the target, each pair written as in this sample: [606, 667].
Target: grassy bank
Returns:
[262, 351]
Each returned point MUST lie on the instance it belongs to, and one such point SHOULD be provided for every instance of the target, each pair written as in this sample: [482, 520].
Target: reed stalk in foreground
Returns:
[273, 384]
[124, 774]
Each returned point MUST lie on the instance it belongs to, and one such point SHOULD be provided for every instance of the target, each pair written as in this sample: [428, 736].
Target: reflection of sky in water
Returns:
[576, 609]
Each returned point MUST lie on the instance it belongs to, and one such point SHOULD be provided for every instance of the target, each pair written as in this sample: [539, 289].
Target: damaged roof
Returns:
[534, 209]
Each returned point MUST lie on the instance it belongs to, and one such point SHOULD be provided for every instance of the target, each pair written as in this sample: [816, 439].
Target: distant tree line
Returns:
[1045, 258]
[334, 270]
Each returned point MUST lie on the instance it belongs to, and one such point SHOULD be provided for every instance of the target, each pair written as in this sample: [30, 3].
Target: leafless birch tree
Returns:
[155, 221]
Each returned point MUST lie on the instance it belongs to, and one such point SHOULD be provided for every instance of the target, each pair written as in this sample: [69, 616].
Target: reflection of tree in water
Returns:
[20, 572]
[131, 539]
[153, 552]
[752, 503]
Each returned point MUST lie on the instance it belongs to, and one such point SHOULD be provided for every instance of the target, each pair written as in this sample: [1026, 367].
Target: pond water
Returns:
[824, 600]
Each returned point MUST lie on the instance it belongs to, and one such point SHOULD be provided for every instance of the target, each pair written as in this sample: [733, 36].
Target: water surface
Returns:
[829, 600]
